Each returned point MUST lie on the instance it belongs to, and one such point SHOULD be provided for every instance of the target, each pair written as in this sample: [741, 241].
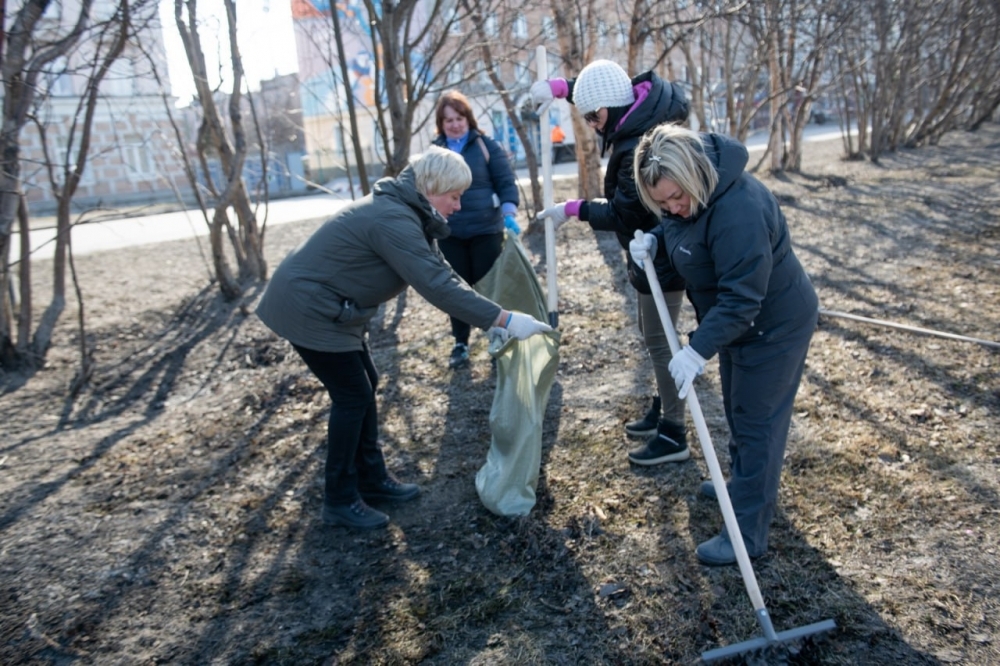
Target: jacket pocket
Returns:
[351, 312]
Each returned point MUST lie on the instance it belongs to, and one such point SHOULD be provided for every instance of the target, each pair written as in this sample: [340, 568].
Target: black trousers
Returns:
[353, 455]
[472, 258]
[759, 383]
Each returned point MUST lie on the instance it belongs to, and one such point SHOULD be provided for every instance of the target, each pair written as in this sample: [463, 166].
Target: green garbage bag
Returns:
[525, 372]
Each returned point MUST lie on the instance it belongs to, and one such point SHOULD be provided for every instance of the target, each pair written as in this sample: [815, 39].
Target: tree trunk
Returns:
[20, 69]
[359, 155]
[246, 240]
[568, 17]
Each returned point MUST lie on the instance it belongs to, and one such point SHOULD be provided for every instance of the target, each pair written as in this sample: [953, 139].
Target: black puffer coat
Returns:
[621, 210]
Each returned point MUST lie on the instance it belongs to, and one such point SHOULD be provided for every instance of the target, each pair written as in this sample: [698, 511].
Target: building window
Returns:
[103, 10]
[120, 79]
[138, 158]
[520, 27]
[53, 11]
[490, 25]
[59, 82]
[455, 23]
[521, 74]
[338, 139]
[456, 73]
[548, 27]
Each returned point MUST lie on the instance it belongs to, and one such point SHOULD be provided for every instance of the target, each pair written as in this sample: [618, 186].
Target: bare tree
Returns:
[985, 100]
[338, 37]
[230, 145]
[413, 50]
[413, 54]
[575, 24]
[797, 34]
[913, 71]
[107, 45]
[31, 46]
[490, 47]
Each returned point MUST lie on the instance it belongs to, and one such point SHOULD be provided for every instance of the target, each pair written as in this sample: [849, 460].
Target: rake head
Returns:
[778, 649]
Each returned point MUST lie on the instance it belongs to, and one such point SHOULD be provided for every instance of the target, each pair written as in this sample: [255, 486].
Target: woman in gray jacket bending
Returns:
[324, 293]
[723, 232]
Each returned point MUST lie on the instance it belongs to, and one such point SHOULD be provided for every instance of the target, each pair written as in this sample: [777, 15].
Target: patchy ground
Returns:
[169, 513]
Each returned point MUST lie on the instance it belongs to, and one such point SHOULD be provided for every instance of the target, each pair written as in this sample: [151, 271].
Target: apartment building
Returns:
[131, 159]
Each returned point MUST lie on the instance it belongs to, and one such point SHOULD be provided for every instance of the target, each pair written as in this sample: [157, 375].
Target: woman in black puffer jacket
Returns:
[621, 110]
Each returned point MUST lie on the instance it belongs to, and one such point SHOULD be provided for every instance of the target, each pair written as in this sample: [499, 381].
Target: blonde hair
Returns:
[437, 171]
[675, 153]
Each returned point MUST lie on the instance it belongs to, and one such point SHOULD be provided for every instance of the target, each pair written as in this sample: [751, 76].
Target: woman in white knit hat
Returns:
[621, 109]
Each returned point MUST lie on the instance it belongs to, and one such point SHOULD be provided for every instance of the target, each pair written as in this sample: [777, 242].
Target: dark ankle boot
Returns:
[669, 444]
[646, 426]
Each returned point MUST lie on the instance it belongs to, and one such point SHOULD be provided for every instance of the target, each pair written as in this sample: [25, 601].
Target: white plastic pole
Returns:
[548, 196]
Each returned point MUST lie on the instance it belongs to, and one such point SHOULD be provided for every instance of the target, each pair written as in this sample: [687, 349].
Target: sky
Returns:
[267, 42]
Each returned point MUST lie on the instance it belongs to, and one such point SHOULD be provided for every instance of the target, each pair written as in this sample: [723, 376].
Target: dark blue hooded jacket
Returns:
[744, 280]
[479, 215]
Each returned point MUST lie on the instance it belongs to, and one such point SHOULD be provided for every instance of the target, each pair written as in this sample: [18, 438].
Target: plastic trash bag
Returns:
[526, 370]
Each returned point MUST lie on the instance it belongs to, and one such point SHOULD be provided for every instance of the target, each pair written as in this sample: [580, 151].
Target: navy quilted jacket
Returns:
[479, 215]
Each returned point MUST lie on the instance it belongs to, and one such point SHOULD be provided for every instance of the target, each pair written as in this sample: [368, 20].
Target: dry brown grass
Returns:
[169, 514]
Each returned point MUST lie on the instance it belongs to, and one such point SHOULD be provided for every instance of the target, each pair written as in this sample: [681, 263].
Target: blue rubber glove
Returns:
[511, 224]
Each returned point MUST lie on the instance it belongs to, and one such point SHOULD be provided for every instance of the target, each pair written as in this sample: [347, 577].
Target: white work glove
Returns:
[541, 92]
[523, 326]
[643, 249]
[684, 367]
[557, 214]
[499, 332]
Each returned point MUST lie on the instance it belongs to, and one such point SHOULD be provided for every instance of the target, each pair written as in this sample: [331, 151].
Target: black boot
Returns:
[646, 426]
[669, 444]
[356, 515]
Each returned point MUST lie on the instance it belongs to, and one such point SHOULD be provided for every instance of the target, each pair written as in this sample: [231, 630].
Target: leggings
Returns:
[472, 258]
[353, 455]
[658, 346]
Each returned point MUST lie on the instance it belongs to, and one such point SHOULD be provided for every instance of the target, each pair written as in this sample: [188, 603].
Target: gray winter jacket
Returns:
[323, 294]
[744, 280]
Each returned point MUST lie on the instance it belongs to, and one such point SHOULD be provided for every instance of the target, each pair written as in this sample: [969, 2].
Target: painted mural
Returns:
[324, 93]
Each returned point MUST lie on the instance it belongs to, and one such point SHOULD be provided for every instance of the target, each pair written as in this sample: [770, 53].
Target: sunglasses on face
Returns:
[592, 117]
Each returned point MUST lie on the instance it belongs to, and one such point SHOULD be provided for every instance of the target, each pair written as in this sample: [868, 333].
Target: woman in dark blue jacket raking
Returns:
[488, 206]
[724, 233]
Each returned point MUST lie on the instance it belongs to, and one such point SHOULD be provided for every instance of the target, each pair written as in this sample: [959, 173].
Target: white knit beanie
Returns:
[602, 84]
